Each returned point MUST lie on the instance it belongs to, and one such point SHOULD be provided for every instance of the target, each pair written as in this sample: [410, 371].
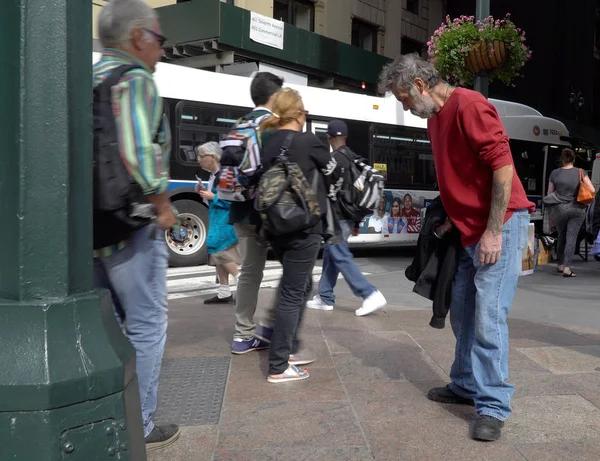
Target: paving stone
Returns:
[562, 360]
[390, 364]
[594, 399]
[552, 418]
[528, 334]
[433, 440]
[307, 453]
[394, 401]
[580, 450]
[342, 340]
[196, 443]
[273, 424]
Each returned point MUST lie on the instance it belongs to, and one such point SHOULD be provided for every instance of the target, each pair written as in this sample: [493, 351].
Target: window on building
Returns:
[412, 6]
[300, 13]
[364, 35]
[408, 46]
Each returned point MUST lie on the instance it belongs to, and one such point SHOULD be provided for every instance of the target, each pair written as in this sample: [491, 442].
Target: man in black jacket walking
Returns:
[337, 257]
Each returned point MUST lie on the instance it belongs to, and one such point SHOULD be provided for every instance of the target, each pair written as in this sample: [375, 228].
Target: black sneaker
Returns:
[446, 395]
[217, 300]
[487, 428]
[162, 436]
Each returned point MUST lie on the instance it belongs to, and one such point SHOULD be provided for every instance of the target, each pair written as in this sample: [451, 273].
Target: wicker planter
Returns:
[480, 57]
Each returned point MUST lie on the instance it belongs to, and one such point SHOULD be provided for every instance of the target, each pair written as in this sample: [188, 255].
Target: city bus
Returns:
[202, 106]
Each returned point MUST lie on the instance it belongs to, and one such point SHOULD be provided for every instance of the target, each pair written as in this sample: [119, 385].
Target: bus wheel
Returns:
[187, 239]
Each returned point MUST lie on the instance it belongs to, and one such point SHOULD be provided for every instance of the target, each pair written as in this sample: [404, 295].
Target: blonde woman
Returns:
[297, 251]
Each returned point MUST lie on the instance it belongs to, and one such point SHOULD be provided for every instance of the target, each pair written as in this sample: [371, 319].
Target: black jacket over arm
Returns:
[435, 264]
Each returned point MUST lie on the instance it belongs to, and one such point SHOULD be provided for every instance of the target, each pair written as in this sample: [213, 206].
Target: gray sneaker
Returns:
[162, 436]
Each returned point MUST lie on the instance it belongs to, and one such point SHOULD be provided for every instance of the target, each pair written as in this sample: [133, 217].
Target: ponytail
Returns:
[286, 107]
[271, 122]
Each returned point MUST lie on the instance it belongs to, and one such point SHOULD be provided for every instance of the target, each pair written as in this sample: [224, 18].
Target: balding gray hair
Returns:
[211, 148]
[118, 19]
[402, 72]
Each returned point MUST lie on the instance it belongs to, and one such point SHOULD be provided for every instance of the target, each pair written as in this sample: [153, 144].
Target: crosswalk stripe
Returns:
[179, 271]
[201, 280]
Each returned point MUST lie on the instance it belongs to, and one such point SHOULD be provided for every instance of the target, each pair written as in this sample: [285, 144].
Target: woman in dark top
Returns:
[568, 215]
[298, 251]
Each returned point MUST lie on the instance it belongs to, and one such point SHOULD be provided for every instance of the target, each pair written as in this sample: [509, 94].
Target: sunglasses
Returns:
[161, 39]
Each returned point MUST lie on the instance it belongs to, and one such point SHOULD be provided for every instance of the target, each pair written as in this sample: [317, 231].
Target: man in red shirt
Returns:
[486, 202]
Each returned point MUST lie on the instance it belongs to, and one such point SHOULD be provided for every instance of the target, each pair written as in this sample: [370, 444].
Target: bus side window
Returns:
[196, 124]
[528, 158]
[407, 153]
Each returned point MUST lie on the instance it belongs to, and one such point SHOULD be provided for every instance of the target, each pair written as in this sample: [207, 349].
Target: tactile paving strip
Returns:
[190, 390]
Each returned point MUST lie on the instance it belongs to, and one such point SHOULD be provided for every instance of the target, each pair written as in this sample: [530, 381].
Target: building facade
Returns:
[341, 37]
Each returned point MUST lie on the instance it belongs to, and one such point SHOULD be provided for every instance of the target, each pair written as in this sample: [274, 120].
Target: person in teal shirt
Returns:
[221, 242]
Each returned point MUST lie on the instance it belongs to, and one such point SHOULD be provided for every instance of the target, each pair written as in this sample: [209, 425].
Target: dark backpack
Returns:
[120, 207]
[286, 201]
[362, 188]
[240, 161]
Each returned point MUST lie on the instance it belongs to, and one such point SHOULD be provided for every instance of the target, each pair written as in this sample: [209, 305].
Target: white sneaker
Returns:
[318, 303]
[371, 303]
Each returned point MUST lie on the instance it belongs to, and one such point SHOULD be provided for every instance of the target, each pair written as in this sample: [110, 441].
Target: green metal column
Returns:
[68, 389]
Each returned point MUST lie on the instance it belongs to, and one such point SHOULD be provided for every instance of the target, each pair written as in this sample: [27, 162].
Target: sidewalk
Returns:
[366, 396]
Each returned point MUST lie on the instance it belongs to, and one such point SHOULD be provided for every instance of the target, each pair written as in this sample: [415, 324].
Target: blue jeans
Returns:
[137, 279]
[336, 259]
[481, 299]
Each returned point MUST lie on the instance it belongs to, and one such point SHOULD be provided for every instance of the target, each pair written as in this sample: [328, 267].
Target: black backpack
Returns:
[362, 188]
[120, 207]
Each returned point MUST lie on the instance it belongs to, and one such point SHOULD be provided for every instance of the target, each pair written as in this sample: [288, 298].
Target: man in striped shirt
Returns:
[135, 270]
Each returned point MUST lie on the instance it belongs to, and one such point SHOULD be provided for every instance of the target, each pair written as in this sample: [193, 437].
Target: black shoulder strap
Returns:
[117, 74]
[287, 142]
[103, 88]
[342, 150]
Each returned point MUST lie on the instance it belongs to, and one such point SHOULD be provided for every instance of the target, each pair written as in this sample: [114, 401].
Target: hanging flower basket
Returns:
[486, 56]
[463, 47]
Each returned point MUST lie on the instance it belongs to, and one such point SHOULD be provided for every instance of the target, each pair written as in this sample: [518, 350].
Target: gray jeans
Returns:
[254, 257]
[568, 218]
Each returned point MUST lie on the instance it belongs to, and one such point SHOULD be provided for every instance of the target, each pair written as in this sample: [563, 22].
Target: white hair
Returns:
[211, 148]
[119, 17]
[402, 72]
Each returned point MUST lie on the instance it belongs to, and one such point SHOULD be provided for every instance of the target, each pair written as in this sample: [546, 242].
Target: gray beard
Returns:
[423, 114]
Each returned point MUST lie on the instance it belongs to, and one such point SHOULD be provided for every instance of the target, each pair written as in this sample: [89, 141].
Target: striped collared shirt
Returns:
[139, 119]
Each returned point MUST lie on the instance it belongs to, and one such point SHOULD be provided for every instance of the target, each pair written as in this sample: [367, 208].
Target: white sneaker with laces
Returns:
[318, 303]
[371, 303]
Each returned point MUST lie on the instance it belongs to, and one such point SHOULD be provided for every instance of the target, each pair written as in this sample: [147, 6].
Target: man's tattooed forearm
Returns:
[500, 197]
